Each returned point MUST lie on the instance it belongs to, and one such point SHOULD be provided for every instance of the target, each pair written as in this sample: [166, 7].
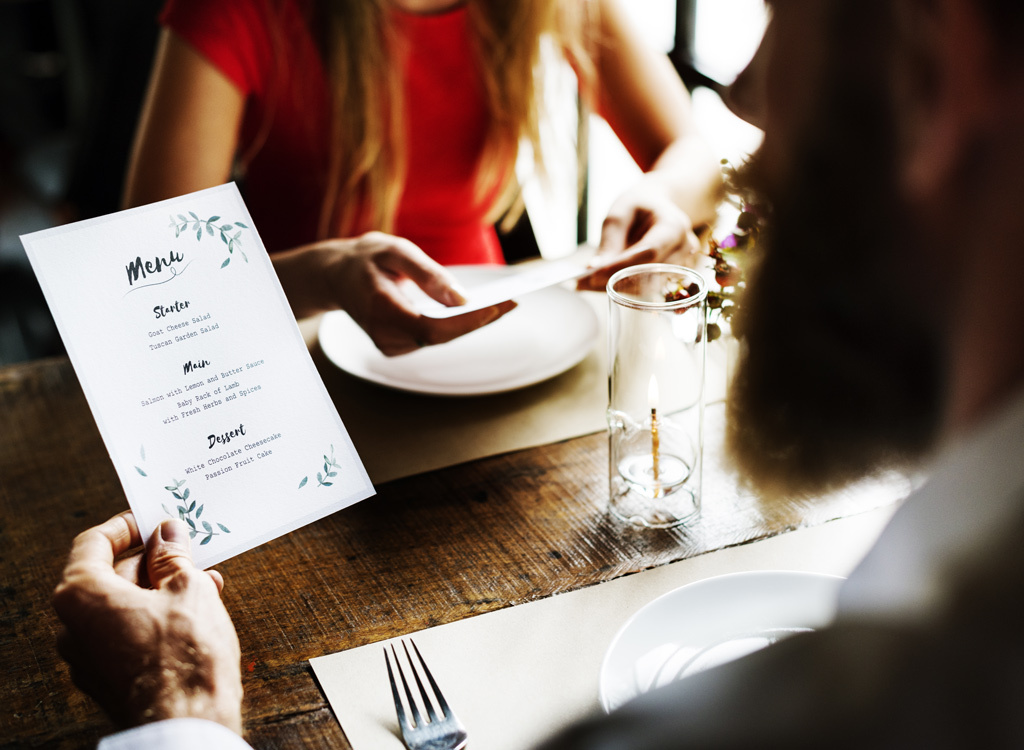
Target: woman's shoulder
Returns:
[242, 38]
[239, 15]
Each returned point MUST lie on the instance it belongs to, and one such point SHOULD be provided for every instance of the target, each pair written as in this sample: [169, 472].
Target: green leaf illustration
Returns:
[137, 468]
[226, 261]
[233, 242]
[186, 509]
[303, 482]
[322, 477]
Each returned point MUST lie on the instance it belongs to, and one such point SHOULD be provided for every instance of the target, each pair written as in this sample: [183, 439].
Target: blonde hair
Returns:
[366, 169]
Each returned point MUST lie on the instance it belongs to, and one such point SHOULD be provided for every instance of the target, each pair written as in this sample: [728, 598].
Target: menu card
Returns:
[196, 373]
[534, 278]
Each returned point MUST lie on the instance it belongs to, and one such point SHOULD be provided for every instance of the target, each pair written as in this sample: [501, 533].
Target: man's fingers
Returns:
[65, 644]
[90, 570]
[169, 552]
[101, 544]
[130, 568]
[218, 580]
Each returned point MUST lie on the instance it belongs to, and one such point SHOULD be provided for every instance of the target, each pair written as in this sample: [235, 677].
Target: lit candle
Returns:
[652, 401]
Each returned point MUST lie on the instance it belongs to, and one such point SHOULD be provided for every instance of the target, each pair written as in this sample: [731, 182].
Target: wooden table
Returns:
[427, 550]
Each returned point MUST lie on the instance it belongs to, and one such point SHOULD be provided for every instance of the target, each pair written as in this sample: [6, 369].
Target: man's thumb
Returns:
[169, 552]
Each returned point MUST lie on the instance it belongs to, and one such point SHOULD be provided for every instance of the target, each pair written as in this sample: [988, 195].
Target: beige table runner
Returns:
[515, 675]
[399, 434]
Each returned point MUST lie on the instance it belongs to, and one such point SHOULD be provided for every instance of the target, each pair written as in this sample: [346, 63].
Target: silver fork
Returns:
[442, 732]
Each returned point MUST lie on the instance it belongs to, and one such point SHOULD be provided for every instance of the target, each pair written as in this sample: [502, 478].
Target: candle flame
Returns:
[652, 393]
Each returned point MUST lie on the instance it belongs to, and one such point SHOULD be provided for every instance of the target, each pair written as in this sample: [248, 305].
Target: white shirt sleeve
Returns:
[175, 734]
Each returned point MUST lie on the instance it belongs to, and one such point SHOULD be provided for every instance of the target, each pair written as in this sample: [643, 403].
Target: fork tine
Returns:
[419, 683]
[433, 685]
[416, 717]
[440, 733]
[403, 722]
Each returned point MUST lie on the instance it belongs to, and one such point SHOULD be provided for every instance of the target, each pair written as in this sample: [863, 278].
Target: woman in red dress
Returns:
[374, 140]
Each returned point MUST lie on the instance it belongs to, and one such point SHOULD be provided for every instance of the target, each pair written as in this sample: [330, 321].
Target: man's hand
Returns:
[146, 654]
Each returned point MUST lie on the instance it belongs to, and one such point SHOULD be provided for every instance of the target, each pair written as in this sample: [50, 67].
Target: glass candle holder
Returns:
[656, 348]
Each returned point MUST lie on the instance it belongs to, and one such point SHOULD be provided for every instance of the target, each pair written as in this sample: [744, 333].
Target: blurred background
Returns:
[72, 78]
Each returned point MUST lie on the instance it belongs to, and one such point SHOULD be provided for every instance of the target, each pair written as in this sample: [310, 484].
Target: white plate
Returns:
[550, 331]
[711, 622]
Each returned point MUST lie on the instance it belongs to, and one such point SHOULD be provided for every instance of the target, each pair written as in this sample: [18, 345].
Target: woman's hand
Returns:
[644, 225]
[364, 276]
[638, 92]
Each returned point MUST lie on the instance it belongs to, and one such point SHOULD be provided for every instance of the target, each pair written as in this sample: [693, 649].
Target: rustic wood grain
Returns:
[426, 550]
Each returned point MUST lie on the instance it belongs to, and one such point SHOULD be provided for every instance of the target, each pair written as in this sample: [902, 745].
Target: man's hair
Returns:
[840, 376]
[1006, 18]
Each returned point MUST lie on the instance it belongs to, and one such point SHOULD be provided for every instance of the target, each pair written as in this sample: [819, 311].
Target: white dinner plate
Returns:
[549, 332]
[711, 622]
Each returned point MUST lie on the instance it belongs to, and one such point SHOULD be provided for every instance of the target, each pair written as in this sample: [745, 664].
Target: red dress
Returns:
[285, 85]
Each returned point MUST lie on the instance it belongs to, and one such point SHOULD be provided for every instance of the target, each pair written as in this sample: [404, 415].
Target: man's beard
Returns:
[840, 374]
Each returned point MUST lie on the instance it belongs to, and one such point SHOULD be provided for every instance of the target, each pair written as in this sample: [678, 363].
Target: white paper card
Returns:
[537, 276]
[196, 373]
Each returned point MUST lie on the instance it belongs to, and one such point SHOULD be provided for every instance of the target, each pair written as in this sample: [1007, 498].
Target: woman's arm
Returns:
[188, 130]
[643, 99]
[186, 141]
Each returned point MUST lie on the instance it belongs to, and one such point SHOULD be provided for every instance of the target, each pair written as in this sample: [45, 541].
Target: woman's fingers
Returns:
[597, 280]
[404, 259]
